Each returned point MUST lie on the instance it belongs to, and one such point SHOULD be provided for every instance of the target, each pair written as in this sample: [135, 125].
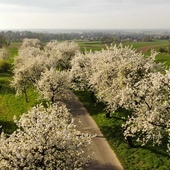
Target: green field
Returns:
[90, 45]
[144, 47]
[138, 158]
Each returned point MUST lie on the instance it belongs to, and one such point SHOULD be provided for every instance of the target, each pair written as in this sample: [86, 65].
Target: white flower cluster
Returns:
[121, 77]
[30, 42]
[60, 54]
[112, 73]
[81, 70]
[150, 102]
[46, 138]
[54, 85]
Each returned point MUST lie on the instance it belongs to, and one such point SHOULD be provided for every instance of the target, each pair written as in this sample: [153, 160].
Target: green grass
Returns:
[96, 45]
[164, 58]
[90, 45]
[11, 105]
[138, 158]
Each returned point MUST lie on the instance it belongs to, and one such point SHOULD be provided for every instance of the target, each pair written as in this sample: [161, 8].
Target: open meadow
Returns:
[137, 158]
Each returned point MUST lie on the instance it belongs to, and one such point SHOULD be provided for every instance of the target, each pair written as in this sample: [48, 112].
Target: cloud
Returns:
[82, 6]
[84, 13]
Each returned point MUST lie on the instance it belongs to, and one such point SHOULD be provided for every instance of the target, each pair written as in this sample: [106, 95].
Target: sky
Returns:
[84, 14]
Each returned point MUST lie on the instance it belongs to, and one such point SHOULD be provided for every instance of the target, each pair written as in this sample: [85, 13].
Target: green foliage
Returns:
[162, 50]
[137, 158]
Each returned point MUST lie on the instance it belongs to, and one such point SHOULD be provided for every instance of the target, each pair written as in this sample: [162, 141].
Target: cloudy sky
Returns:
[84, 14]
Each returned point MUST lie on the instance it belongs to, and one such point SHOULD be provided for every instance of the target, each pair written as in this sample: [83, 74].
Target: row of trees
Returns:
[46, 137]
[122, 78]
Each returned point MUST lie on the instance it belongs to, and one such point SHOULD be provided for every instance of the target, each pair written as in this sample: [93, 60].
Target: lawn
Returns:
[11, 105]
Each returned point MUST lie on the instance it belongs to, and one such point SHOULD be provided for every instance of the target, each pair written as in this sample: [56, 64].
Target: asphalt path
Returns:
[104, 157]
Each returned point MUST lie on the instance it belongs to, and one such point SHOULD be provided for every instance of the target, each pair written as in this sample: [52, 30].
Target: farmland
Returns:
[131, 158]
[144, 47]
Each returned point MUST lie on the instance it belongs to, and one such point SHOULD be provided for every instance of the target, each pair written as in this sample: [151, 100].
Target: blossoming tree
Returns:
[54, 85]
[61, 53]
[32, 61]
[46, 138]
[150, 102]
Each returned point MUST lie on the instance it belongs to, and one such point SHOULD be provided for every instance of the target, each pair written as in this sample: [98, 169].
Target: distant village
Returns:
[103, 36]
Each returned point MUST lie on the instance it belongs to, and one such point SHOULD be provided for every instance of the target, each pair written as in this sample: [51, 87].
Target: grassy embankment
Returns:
[146, 158]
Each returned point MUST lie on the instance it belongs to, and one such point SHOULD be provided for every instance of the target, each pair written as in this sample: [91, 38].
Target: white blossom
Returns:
[46, 138]
[151, 108]
[61, 53]
[54, 85]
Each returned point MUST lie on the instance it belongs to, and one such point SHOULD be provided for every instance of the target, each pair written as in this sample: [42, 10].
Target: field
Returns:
[138, 158]
[144, 47]
[90, 45]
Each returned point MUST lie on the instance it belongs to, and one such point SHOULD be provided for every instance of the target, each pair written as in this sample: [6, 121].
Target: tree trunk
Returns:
[108, 114]
[129, 141]
[26, 96]
[92, 96]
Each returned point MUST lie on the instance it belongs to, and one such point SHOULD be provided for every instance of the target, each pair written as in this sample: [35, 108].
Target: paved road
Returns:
[104, 158]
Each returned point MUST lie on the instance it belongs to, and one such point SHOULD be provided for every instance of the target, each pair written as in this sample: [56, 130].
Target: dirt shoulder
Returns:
[144, 49]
